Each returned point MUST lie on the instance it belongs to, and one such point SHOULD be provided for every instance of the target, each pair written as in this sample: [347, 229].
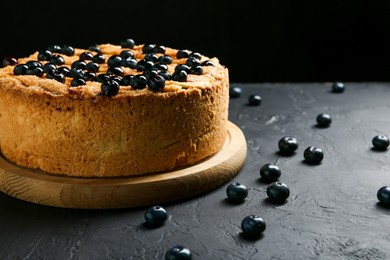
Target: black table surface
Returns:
[332, 211]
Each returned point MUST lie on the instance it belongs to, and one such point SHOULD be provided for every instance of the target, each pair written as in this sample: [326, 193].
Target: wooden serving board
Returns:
[97, 193]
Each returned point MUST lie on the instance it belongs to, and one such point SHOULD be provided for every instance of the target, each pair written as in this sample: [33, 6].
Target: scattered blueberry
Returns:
[64, 70]
[338, 87]
[288, 145]
[9, 61]
[126, 80]
[79, 64]
[235, 92]
[67, 50]
[148, 48]
[102, 78]
[20, 69]
[236, 192]
[207, 63]
[151, 57]
[118, 71]
[48, 67]
[254, 100]
[165, 74]
[77, 82]
[196, 70]
[181, 54]
[110, 88]
[155, 216]
[191, 61]
[89, 76]
[139, 82]
[195, 55]
[313, 155]
[54, 48]
[178, 252]
[278, 192]
[57, 60]
[92, 66]
[253, 226]
[270, 172]
[129, 63]
[126, 54]
[380, 142]
[114, 61]
[323, 120]
[159, 49]
[86, 56]
[95, 48]
[180, 76]
[44, 55]
[99, 58]
[36, 71]
[33, 64]
[161, 67]
[76, 73]
[383, 195]
[128, 43]
[156, 82]
[165, 59]
[56, 75]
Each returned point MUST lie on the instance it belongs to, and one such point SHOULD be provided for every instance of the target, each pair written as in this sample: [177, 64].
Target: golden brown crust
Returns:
[45, 124]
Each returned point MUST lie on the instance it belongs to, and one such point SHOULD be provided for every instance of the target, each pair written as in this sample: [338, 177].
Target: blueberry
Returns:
[338, 87]
[139, 82]
[129, 63]
[161, 67]
[180, 76]
[86, 56]
[156, 83]
[57, 60]
[192, 62]
[236, 192]
[151, 57]
[99, 58]
[92, 66]
[155, 216]
[54, 48]
[67, 50]
[253, 226]
[313, 155]
[197, 70]
[64, 70]
[207, 63]
[31, 64]
[128, 43]
[383, 195]
[126, 54]
[116, 78]
[37, 71]
[159, 49]
[76, 73]
[148, 48]
[48, 67]
[195, 55]
[380, 142]
[95, 48]
[235, 92]
[110, 88]
[9, 61]
[165, 74]
[115, 71]
[20, 69]
[102, 78]
[270, 172]
[79, 64]
[77, 82]
[141, 65]
[287, 145]
[323, 120]
[148, 65]
[56, 75]
[114, 61]
[149, 73]
[181, 67]
[126, 80]
[89, 76]
[165, 59]
[178, 252]
[44, 55]
[278, 192]
[181, 54]
[254, 100]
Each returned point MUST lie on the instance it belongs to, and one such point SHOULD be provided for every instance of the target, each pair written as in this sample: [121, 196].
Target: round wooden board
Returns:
[94, 193]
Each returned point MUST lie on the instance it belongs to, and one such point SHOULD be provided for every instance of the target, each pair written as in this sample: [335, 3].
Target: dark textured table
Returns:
[332, 211]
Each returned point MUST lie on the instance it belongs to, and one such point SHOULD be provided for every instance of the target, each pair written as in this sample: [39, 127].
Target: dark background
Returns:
[259, 41]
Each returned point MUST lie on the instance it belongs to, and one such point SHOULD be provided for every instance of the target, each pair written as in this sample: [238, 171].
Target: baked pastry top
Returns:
[112, 110]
